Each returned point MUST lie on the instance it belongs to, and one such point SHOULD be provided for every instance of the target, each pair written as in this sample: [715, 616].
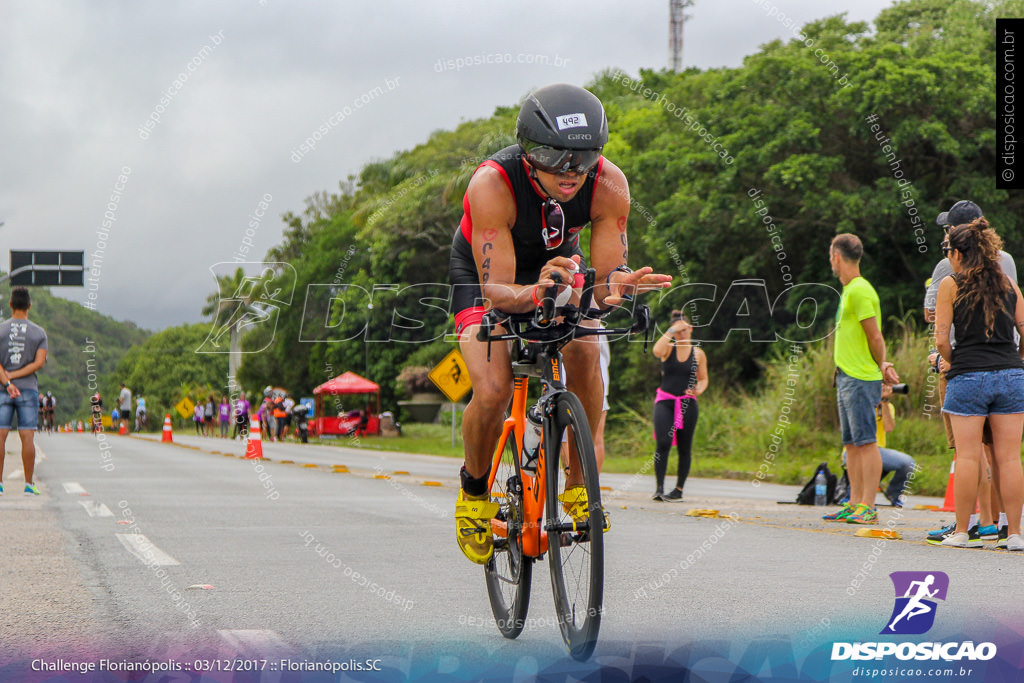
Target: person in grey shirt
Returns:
[965, 211]
[22, 352]
[125, 405]
[962, 212]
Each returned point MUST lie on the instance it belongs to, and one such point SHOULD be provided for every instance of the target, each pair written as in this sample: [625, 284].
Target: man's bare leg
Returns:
[28, 454]
[492, 391]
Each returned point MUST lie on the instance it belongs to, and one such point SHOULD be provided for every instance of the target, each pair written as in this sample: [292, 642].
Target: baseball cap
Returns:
[964, 211]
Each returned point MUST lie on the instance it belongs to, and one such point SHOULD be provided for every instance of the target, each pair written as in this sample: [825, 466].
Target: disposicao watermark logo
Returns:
[916, 593]
[913, 614]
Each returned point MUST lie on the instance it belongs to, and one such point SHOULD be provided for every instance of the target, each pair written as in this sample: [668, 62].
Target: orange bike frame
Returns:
[534, 538]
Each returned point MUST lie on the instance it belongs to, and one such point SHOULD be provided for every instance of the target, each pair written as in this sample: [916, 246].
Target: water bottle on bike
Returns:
[531, 439]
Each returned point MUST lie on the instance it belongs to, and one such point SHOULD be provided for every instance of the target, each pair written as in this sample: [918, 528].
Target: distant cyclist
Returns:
[523, 212]
[50, 410]
[96, 402]
[141, 420]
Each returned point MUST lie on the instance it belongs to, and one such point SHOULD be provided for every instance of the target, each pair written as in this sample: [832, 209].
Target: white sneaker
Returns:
[1015, 542]
[960, 540]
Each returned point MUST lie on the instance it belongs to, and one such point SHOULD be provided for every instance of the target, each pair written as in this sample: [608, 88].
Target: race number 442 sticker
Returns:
[571, 121]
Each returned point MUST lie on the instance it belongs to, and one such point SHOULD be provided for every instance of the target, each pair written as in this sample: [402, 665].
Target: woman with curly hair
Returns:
[986, 373]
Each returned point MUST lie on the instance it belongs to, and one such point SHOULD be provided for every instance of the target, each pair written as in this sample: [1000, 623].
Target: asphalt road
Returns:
[293, 560]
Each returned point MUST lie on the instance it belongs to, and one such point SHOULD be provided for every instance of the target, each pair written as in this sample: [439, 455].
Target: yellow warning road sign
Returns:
[185, 407]
[452, 376]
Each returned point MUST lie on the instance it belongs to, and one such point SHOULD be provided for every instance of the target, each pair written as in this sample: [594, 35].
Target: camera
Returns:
[900, 389]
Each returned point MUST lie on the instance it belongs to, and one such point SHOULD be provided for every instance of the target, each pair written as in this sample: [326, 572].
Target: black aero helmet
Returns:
[562, 128]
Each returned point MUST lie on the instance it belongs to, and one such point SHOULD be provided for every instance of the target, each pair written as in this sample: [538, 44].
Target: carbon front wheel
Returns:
[575, 528]
[509, 572]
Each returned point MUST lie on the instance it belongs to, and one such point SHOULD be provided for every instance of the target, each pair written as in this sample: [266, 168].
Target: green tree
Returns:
[166, 367]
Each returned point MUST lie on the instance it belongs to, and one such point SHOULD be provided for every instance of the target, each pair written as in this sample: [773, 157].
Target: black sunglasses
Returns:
[552, 221]
[946, 250]
[554, 160]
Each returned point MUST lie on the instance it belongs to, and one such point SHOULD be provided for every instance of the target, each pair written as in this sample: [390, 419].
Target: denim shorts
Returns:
[995, 392]
[856, 399]
[27, 406]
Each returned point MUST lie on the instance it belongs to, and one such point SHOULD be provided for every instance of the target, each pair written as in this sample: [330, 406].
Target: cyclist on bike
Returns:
[51, 407]
[97, 412]
[141, 422]
[523, 212]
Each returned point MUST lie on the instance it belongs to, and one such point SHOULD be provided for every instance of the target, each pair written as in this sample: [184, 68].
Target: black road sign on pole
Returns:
[48, 268]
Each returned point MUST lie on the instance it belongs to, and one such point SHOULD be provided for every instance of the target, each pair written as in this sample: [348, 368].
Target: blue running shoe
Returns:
[31, 490]
[988, 533]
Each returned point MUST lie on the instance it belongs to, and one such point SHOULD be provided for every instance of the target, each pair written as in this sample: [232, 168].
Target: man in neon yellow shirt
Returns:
[861, 366]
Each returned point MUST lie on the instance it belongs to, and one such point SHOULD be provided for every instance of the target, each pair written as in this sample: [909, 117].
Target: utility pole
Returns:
[675, 32]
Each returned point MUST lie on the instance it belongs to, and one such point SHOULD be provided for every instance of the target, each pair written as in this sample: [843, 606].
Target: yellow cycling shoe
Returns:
[473, 517]
[577, 505]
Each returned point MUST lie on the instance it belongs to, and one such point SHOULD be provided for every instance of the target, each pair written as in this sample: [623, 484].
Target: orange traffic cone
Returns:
[168, 436]
[947, 504]
[123, 430]
[254, 444]
[81, 427]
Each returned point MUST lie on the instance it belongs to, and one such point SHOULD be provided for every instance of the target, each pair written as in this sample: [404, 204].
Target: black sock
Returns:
[472, 485]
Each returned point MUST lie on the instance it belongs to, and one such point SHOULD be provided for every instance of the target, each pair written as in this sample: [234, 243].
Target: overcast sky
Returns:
[79, 81]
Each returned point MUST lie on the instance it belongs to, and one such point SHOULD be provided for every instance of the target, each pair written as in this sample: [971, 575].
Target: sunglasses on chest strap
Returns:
[552, 221]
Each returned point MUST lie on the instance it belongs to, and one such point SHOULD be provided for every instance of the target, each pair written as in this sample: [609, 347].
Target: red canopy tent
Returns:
[328, 421]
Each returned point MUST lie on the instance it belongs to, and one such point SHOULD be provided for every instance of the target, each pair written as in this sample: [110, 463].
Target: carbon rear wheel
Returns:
[509, 573]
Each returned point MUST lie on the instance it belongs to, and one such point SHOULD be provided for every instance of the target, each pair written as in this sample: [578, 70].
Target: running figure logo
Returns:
[245, 301]
[916, 592]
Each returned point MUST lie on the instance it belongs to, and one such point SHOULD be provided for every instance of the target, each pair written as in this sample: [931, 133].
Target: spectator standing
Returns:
[224, 413]
[986, 374]
[263, 415]
[279, 413]
[860, 368]
[197, 416]
[242, 409]
[684, 377]
[209, 416]
[125, 405]
[989, 502]
[22, 352]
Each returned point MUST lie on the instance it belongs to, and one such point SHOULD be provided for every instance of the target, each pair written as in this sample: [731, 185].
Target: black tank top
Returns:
[531, 255]
[976, 353]
[679, 377]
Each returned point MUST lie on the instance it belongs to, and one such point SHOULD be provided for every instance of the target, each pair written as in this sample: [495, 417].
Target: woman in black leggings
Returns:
[684, 377]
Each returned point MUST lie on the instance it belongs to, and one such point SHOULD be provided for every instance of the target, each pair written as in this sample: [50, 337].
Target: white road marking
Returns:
[73, 487]
[143, 549]
[96, 509]
[256, 642]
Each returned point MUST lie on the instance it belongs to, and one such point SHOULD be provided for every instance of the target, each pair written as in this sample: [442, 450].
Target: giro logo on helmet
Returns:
[579, 136]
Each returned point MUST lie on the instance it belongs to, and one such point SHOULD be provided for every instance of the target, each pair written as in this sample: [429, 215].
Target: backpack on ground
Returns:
[806, 495]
